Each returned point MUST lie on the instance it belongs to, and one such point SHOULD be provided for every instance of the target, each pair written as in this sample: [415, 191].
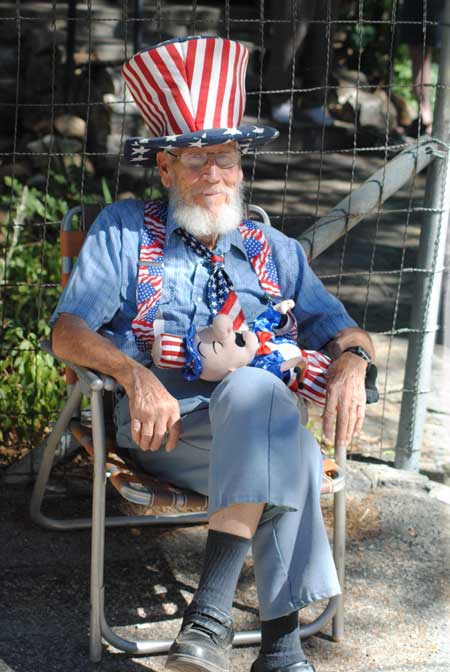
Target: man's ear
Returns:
[162, 161]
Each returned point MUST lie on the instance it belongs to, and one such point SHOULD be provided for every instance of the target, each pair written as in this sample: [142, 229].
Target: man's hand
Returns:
[346, 399]
[154, 412]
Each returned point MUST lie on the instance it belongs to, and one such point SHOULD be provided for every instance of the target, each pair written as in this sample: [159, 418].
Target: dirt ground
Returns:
[397, 591]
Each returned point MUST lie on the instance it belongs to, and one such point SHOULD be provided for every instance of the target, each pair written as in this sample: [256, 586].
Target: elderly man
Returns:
[148, 267]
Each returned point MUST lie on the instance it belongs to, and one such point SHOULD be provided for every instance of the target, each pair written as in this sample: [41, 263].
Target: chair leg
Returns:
[48, 455]
[339, 559]
[98, 527]
[339, 548]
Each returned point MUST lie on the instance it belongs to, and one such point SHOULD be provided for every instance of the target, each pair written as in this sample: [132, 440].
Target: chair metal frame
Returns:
[95, 385]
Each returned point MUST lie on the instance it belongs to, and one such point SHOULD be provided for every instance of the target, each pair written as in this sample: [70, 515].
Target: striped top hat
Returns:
[191, 93]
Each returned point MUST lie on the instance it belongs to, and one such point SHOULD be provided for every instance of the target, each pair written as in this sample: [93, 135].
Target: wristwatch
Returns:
[360, 351]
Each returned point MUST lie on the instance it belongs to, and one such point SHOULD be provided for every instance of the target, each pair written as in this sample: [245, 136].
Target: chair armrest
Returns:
[94, 380]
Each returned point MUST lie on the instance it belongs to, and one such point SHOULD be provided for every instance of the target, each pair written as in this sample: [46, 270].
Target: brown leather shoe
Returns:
[203, 643]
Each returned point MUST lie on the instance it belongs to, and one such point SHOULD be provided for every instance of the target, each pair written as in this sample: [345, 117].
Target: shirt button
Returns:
[199, 299]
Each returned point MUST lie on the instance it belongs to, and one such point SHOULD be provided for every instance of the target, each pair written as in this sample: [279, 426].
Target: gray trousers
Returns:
[242, 441]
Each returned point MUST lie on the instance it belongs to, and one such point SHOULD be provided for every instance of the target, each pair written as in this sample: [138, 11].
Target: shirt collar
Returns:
[232, 238]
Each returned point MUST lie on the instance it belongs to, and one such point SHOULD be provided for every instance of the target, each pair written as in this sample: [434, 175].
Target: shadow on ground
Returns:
[397, 586]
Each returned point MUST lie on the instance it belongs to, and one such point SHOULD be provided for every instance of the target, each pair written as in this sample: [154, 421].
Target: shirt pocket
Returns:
[167, 294]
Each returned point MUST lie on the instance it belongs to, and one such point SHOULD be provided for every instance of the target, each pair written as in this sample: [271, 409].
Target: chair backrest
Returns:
[72, 239]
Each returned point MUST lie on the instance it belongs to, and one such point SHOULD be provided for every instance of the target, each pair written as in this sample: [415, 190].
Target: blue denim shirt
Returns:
[102, 286]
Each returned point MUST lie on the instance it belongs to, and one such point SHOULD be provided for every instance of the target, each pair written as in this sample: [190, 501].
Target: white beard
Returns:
[203, 224]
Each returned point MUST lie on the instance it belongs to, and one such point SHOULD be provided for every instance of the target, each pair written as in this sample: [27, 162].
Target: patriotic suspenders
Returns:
[150, 273]
[149, 290]
[151, 268]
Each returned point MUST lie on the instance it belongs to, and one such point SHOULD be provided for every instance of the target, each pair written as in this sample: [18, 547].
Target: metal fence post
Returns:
[428, 286]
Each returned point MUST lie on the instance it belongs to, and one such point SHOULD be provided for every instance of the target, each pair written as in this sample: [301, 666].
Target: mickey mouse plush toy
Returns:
[213, 352]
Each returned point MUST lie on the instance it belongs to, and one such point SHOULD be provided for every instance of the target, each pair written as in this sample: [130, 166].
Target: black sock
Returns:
[224, 556]
[280, 642]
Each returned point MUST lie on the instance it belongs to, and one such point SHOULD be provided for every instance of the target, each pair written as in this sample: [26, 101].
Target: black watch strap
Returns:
[360, 351]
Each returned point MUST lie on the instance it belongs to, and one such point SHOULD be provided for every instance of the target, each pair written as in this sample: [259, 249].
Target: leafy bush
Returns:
[31, 386]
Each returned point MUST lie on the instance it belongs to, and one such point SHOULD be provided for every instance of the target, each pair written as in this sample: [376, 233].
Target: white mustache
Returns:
[224, 192]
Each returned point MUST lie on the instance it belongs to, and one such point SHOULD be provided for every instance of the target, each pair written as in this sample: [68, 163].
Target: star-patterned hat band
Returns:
[191, 93]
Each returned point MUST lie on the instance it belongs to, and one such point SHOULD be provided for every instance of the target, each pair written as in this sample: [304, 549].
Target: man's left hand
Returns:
[345, 404]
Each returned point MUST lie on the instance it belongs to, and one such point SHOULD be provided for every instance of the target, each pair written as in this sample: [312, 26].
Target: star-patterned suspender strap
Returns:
[150, 273]
[221, 296]
[260, 256]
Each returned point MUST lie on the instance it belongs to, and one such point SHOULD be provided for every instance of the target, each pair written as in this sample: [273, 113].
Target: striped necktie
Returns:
[221, 296]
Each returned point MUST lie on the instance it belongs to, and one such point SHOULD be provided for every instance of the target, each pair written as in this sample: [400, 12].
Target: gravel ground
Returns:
[397, 586]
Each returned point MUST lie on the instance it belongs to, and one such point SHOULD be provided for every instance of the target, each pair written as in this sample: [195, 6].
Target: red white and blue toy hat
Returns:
[191, 93]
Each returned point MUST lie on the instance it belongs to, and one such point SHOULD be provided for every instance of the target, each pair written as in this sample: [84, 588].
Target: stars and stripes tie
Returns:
[221, 297]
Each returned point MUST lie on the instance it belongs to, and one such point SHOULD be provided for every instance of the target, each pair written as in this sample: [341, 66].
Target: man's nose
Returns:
[211, 169]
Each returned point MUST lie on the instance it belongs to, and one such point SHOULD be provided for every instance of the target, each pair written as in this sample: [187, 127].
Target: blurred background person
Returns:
[302, 40]
[419, 30]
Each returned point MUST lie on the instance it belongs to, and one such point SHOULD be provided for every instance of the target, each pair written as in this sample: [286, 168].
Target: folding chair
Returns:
[111, 465]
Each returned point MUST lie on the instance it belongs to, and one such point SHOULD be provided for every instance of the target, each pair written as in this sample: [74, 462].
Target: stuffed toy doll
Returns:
[213, 352]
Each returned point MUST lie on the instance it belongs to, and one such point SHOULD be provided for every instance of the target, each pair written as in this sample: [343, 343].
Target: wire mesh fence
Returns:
[349, 85]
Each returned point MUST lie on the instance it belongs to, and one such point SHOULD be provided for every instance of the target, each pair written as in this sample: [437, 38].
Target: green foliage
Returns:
[153, 192]
[107, 197]
[361, 36]
[31, 386]
[403, 76]
[367, 45]
[30, 265]
[47, 204]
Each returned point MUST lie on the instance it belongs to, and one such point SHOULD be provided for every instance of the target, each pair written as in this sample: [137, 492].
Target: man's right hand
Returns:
[155, 414]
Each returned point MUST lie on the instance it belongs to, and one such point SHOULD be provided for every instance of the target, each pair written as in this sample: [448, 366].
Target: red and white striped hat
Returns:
[191, 93]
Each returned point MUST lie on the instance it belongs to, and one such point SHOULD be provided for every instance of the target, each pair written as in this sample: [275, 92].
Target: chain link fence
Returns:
[350, 85]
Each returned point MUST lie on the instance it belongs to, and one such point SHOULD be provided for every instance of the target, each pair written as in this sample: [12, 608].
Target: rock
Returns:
[71, 126]
[373, 107]
[77, 161]
[351, 77]
[369, 476]
[356, 481]
[376, 110]
[440, 491]
[69, 148]
[405, 112]
[20, 169]
[57, 145]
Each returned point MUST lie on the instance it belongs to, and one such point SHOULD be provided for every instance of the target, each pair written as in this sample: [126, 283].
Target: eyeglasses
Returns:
[198, 160]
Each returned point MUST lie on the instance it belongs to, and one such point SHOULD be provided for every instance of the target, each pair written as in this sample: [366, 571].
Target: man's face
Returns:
[209, 187]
